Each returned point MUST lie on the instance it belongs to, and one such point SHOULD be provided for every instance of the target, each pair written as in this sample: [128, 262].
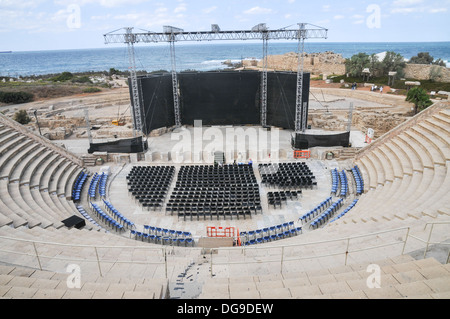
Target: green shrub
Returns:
[65, 76]
[16, 97]
[419, 97]
[81, 79]
[22, 117]
[91, 90]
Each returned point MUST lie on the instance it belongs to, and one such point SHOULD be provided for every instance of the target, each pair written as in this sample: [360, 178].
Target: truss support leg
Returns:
[264, 82]
[176, 102]
[300, 107]
[136, 109]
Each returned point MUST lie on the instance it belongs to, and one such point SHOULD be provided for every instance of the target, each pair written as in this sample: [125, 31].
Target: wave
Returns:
[221, 61]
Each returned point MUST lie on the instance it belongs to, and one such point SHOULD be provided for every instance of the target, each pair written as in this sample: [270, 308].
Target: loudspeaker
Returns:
[74, 221]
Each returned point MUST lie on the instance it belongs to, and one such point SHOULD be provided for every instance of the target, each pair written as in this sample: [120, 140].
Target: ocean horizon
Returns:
[190, 56]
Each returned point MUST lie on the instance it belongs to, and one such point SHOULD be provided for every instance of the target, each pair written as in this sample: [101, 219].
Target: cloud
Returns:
[20, 4]
[338, 17]
[407, 6]
[180, 8]
[406, 10]
[103, 3]
[258, 10]
[209, 10]
[403, 3]
[438, 10]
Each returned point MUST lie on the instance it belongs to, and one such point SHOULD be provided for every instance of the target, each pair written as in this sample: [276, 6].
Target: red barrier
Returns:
[223, 232]
[302, 154]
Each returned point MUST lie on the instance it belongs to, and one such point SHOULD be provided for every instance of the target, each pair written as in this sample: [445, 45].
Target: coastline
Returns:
[201, 56]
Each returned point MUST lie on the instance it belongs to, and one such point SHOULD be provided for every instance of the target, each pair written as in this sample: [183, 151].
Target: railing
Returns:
[95, 252]
[161, 258]
[428, 241]
[283, 258]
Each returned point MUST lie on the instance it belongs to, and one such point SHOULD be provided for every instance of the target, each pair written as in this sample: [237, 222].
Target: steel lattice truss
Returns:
[259, 32]
[177, 36]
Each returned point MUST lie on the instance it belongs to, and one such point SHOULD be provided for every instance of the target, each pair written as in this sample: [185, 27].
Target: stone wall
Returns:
[422, 72]
[380, 121]
[315, 63]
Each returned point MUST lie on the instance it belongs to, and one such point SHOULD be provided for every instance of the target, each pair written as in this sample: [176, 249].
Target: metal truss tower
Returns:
[136, 118]
[176, 100]
[260, 32]
[300, 108]
[136, 110]
[264, 81]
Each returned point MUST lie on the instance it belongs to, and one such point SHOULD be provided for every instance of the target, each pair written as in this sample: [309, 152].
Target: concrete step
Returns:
[25, 283]
[399, 277]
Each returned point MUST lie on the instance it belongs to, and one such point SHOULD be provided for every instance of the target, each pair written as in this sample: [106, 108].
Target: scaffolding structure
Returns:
[259, 32]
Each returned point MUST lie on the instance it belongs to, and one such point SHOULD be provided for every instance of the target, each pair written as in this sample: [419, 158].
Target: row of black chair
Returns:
[278, 198]
[287, 175]
[208, 191]
[149, 185]
[213, 211]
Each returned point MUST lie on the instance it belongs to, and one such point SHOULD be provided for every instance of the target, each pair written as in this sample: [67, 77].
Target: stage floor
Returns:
[215, 138]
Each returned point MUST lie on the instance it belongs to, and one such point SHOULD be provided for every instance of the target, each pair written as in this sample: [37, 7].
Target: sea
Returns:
[201, 56]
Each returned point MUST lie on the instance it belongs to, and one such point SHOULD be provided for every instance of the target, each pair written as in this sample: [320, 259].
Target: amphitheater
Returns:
[372, 226]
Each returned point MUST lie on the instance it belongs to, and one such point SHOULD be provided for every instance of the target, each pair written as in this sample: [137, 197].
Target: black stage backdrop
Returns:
[220, 98]
[131, 145]
[304, 141]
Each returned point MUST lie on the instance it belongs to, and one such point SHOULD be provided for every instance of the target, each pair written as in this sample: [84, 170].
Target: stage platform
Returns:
[194, 145]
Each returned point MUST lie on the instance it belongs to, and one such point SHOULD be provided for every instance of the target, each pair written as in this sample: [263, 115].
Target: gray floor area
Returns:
[216, 138]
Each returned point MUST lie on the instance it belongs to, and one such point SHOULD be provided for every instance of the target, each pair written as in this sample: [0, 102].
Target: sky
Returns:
[29, 25]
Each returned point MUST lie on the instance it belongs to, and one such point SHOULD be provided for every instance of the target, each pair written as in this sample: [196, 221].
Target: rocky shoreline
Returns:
[330, 63]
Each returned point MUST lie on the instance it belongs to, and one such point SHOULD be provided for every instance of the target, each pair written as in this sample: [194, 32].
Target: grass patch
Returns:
[91, 90]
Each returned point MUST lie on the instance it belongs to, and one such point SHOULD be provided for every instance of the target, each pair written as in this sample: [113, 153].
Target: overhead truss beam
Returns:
[154, 37]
